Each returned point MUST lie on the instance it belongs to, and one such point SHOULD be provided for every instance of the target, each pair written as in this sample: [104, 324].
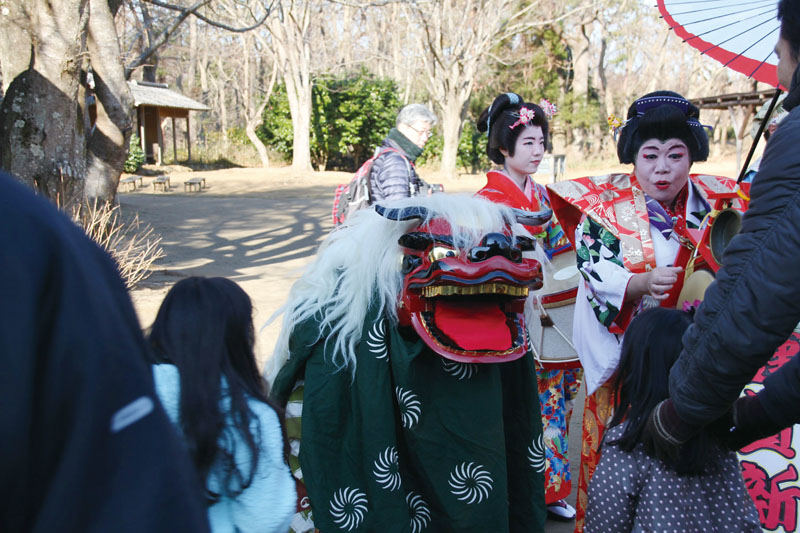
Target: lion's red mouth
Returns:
[480, 322]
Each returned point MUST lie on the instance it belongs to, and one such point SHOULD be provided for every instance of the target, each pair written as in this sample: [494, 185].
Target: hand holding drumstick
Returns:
[656, 283]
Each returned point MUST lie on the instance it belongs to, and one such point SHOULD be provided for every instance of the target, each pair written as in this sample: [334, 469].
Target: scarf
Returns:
[662, 217]
[412, 150]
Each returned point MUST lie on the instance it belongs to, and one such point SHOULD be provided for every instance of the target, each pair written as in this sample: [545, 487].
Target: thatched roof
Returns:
[157, 94]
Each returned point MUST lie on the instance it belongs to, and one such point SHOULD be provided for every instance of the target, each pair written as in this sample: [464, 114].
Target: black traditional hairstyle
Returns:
[662, 115]
[205, 327]
[651, 345]
[789, 15]
[497, 119]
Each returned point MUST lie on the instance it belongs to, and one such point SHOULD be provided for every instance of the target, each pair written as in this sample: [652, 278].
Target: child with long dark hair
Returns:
[207, 378]
[701, 489]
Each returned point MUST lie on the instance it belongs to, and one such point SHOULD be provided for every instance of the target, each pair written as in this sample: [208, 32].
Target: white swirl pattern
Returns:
[348, 508]
[386, 469]
[410, 407]
[420, 514]
[471, 483]
[536, 456]
[376, 340]
[459, 370]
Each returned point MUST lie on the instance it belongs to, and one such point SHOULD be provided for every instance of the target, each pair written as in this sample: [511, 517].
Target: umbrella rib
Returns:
[726, 26]
[749, 47]
[767, 12]
[718, 45]
[759, 65]
[770, 3]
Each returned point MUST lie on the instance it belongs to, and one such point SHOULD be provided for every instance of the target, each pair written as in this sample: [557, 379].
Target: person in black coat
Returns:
[754, 304]
[84, 442]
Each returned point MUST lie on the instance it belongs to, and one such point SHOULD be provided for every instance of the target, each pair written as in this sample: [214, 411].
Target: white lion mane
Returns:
[358, 265]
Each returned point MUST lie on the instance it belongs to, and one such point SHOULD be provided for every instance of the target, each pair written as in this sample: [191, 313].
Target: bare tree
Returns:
[290, 30]
[46, 139]
[255, 103]
[456, 36]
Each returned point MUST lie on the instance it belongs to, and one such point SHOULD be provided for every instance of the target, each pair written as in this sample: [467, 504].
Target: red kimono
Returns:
[557, 386]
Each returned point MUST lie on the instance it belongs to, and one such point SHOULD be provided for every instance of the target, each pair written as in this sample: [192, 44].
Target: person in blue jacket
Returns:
[206, 375]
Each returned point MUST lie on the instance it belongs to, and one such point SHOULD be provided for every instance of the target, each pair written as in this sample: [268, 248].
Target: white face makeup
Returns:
[662, 168]
[528, 152]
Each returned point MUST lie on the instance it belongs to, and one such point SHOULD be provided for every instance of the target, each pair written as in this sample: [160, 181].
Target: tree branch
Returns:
[165, 35]
[212, 22]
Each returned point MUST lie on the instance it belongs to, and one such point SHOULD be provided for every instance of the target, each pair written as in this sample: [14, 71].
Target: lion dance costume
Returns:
[404, 364]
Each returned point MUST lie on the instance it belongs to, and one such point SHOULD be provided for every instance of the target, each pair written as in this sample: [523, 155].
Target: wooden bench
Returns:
[130, 182]
[194, 184]
[161, 182]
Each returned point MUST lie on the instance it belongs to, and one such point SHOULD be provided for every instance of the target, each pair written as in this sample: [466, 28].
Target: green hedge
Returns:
[350, 117]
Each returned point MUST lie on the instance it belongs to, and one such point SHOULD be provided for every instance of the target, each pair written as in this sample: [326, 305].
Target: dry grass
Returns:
[132, 244]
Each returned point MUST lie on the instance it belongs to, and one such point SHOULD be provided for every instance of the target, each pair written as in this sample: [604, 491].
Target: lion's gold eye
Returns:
[441, 252]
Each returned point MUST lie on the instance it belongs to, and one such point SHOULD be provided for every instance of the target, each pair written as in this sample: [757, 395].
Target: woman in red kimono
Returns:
[517, 138]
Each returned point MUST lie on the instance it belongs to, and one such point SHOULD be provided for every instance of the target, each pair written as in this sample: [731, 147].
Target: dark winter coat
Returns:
[393, 176]
[84, 442]
[754, 304]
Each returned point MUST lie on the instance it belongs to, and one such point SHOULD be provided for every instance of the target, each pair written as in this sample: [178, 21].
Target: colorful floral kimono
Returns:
[617, 231]
[558, 387]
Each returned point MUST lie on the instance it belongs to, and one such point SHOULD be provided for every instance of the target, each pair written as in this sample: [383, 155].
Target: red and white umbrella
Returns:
[741, 34]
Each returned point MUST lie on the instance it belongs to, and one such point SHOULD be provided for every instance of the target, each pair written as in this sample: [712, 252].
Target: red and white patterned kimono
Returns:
[616, 235]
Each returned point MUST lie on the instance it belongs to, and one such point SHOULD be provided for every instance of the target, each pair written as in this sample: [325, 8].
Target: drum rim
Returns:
[560, 299]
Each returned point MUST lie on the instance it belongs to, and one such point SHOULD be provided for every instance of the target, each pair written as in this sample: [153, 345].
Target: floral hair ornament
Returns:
[615, 124]
[525, 115]
[549, 108]
[691, 307]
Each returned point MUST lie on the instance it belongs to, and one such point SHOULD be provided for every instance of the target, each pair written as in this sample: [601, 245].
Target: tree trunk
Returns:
[300, 109]
[255, 120]
[453, 111]
[42, 133]
[290, 35]
[15, 46]
[108, 142]
[44, 137]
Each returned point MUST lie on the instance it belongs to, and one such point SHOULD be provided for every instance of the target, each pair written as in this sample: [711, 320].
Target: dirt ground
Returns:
[260, 227]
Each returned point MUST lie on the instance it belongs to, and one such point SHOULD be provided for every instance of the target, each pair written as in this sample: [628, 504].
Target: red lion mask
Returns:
[467, 304]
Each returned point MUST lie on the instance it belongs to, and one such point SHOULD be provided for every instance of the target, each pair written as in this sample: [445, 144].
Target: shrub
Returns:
[349, 118]
[135, 155]
[133, 245]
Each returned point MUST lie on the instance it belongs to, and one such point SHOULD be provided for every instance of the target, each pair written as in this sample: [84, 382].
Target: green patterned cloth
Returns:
[413, 442]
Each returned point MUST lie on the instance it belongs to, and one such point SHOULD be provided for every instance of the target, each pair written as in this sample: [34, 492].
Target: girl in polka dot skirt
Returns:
[702, 490]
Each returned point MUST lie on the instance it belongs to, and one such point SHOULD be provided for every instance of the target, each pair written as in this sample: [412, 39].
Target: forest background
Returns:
[317, 83]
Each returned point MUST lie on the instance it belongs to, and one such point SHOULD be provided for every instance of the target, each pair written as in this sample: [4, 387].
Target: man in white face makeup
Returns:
[754, 304]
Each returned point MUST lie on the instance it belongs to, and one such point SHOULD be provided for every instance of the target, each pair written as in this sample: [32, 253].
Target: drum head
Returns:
[694, 287]
[561, 278]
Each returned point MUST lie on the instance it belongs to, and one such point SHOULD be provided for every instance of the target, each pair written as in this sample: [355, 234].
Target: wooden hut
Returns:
[154, 102]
